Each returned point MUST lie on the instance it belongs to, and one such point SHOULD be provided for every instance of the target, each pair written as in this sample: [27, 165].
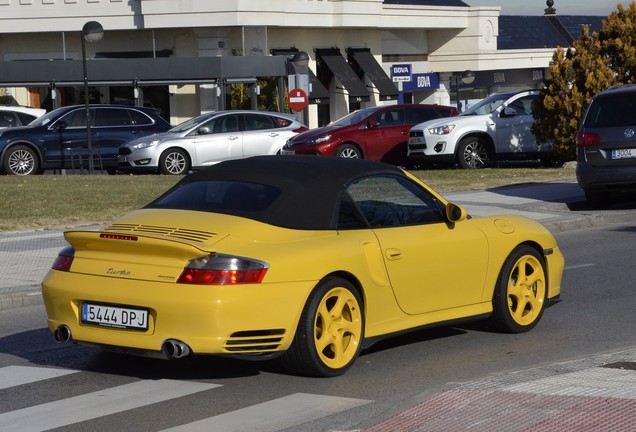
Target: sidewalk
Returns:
[27, 256]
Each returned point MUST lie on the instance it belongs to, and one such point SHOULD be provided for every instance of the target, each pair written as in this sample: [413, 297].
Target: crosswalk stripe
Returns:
[97, 404]
[274, 415]
[12, 376]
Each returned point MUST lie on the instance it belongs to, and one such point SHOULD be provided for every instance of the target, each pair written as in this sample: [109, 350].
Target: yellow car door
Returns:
[433, 264]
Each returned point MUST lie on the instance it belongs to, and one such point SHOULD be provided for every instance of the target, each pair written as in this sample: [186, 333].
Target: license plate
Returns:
[624, 154]
[287, 152]
[115, 316]
[417, 140]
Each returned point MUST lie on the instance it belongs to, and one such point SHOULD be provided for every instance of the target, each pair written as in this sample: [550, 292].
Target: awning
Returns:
[318, 94]
[363, 58]
[340, 68]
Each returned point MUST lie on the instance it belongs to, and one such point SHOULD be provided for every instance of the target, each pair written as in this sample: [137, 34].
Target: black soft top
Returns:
[310, 187]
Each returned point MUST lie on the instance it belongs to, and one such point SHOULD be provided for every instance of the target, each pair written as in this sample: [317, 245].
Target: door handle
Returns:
[393, 254]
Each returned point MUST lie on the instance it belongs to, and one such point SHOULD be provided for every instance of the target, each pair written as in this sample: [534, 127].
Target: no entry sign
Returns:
[297, 99]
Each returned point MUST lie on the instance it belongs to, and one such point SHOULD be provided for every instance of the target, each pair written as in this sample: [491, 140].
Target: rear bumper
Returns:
[249, 320]
[605, 178]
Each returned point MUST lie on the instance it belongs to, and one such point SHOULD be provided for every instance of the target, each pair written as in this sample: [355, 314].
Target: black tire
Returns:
[21, 160]
[330, 331]
[174, 161]
[520, 293]
[473, 153]
[552, 161]
[348, 151]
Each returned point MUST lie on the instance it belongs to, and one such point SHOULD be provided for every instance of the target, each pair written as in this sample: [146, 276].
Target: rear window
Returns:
[219, 196]
[612, 110]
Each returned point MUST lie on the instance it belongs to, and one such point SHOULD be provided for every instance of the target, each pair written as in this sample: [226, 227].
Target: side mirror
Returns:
[455, 213]
[509, 112]
[204, 130]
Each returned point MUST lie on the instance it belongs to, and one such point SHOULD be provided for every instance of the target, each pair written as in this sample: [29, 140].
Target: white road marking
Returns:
[274, 415]
[97, 404]
[578, 266]
[12, 376]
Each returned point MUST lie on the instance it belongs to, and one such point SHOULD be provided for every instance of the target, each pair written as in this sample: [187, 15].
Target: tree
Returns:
[592, 64]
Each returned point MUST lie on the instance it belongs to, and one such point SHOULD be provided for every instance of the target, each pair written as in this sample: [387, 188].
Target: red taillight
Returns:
[118, 237]
[218, 269]
[586, 139]
[300, 129]
[63, 263]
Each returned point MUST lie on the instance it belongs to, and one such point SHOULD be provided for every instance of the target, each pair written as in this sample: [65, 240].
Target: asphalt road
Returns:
[595, 317]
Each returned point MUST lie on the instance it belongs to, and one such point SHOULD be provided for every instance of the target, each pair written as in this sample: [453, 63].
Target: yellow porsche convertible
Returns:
[308, 258]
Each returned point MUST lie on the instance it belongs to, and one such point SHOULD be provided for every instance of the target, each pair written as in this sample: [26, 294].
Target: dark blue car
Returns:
[58, 140]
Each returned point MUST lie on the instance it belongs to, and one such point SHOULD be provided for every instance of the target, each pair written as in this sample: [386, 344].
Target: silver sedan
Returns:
[209, 139]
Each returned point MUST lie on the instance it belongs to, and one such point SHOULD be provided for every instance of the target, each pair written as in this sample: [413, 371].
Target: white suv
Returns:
[496, 128]
[11, 115]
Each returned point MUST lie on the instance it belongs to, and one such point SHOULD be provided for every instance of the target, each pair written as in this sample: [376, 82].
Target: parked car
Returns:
[209, 139]
[376, 133]
[12, 116]
[606, 145]
[496, 128]
[307, 258]
[58, 139]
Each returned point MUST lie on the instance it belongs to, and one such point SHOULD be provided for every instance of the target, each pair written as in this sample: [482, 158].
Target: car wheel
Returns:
[174, 162]
[520, 294]
[348, 151]
[473, 153]
[330, 331]
[552, 161]
[21, 160]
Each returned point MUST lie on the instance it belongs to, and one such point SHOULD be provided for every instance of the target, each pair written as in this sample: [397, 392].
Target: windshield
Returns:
[45, 119]
[354, 117]
[487, 105]
[192, 123]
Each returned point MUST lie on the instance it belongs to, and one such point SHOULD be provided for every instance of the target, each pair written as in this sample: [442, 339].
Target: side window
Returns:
[420, 115]
[259, 122]
[139, 118]
[105, 117]
[387, 201]
[391, 117]
[224, 124]
[524, 105]
[77, 118]
[7, 119]
[25, 119]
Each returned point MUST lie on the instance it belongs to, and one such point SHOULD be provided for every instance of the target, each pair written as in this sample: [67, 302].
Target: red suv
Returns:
[378, 133]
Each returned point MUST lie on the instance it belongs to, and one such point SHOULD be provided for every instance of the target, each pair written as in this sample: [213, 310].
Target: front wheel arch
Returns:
[481, 152]
[174, 161]
[5, 163]
[349, 150]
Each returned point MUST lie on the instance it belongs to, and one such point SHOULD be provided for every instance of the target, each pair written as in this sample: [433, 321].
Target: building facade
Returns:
[184, 56]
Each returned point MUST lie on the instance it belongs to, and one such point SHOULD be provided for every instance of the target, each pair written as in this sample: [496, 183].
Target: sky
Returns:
[563, 7]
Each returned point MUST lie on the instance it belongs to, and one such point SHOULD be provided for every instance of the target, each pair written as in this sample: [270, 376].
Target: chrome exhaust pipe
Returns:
[175, 349]
[62, 334]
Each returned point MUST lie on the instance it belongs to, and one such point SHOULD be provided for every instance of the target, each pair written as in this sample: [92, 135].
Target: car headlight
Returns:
[145, 144]
[441, 130]
[321, 139]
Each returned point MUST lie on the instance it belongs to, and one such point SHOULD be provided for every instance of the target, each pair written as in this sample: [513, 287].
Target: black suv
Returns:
[606, 145]
[58, 139]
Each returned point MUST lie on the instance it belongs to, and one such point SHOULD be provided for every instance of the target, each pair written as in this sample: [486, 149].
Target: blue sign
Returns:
[418, 82]
[401, 72]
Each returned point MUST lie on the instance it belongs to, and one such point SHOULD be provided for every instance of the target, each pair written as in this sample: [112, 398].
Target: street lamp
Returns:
[91, 32]
[467, 77]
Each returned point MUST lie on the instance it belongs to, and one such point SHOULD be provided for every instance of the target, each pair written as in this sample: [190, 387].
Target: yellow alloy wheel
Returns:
[526, 290]
[520, 294]
[330, 331]
[338, 328]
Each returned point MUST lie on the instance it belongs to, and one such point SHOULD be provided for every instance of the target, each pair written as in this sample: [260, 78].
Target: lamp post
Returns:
[91, 32]
[467, 77]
